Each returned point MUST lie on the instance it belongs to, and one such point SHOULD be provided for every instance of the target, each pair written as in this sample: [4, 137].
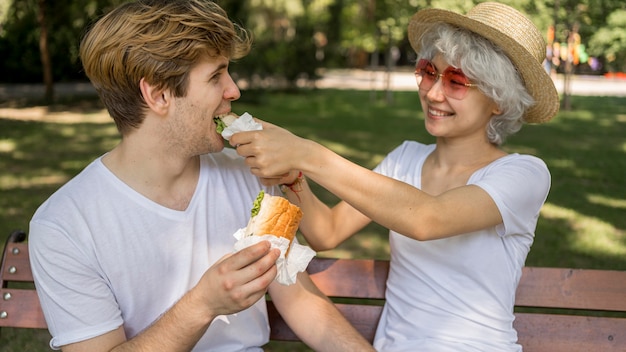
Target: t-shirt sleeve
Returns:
[76, 300]
[402, 162]
[519, 186]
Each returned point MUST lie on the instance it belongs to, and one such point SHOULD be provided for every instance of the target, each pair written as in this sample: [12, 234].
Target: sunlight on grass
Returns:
[354, 153]
[607, 201]
[562, 163]
[592, 235]
[7, 146]
[364, 244]
[8, 182]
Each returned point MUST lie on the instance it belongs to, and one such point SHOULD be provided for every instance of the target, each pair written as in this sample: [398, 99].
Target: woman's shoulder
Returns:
[516, 166]
[414, 147]
[521, 159]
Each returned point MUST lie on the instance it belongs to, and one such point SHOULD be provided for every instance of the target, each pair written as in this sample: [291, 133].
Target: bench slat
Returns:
[16, 266]
[567, 333]
[572, 288]
[22, 309]
[355, 278]
[358, 286]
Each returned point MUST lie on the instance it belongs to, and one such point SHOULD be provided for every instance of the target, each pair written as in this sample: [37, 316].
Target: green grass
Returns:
[582, 224]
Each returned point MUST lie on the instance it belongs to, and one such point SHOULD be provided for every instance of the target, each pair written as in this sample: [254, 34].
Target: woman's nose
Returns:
[436, 92]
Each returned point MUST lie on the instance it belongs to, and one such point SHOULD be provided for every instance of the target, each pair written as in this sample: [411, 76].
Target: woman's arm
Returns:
[391, 203]
[323, 227]
[314, 318]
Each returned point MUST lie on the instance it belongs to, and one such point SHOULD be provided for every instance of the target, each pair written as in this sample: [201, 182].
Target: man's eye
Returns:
[216, 77]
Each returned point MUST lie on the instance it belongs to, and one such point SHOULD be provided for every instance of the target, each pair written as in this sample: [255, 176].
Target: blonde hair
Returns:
[159, 41]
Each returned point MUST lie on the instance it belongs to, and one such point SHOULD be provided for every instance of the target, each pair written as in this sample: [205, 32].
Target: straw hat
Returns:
[511, 31]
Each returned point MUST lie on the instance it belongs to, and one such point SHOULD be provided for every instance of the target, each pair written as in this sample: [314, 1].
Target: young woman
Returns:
[461, 212]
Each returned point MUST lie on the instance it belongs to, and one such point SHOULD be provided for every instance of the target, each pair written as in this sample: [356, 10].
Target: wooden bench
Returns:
[556, 309]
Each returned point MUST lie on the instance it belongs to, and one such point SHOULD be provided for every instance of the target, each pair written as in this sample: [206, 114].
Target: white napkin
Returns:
[244, 123]
[297, 261]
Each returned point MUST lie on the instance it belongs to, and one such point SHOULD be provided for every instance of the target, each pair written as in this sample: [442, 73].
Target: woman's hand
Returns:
[272, 153]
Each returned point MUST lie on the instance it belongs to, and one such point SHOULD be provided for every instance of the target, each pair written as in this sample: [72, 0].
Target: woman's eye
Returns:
[457, 82]
[458, 79]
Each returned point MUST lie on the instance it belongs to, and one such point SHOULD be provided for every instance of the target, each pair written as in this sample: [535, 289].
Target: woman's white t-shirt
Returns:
[458, 293]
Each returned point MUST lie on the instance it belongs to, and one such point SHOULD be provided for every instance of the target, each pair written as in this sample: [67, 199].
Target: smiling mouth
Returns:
[439, 113]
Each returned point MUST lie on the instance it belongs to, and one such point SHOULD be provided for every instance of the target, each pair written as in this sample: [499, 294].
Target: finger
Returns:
[240, 138]
[260, 267]
[256, 277]
[248, 255]
[271, 181]
[265, 124]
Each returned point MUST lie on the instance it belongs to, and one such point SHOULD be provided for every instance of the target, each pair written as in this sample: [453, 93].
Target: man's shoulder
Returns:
[77, 188]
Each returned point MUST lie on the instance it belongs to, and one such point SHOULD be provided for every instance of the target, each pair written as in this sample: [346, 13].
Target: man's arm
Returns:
[314, 318]
[231, 285]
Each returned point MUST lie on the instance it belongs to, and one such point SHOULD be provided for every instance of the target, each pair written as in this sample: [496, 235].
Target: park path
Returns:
[348, 79]
[405, 80]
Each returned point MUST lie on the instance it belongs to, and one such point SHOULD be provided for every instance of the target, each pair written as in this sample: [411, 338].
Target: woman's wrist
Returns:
[295, 186]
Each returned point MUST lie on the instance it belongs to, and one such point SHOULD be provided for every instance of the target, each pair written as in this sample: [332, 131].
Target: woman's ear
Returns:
[157, 99]
[496, 110]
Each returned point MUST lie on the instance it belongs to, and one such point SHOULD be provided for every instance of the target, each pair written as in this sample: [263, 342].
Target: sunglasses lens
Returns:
[455, 83]
[426, 74]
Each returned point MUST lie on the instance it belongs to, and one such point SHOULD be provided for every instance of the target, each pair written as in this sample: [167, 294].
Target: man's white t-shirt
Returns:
[458, 293]
[104, 255]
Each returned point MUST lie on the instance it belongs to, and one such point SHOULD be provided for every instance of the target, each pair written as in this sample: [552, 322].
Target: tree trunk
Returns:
[44, 53]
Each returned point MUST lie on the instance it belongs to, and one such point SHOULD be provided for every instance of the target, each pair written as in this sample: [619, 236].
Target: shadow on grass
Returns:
[37, 157]
[582, 225]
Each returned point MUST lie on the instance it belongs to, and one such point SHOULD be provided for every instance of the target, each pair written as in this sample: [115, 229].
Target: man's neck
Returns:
[163, 178]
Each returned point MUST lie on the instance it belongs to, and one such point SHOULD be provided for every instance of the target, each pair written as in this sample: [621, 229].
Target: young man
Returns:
[135, 253]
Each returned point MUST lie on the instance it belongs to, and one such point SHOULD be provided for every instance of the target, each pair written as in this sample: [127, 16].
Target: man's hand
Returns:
[238, 280]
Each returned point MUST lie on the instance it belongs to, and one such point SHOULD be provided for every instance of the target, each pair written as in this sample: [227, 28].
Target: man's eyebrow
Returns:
[219, 68]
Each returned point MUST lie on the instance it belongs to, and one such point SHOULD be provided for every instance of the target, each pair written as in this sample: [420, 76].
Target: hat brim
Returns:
[538, 83]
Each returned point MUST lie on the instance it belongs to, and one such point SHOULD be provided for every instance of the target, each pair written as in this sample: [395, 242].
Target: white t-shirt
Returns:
[458, 293]
[103, 255]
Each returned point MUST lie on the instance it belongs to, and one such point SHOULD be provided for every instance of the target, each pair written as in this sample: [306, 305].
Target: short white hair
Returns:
[487, 66]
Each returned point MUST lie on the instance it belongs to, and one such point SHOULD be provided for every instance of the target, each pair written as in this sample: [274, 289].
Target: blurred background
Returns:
[296, 39]
[339, 72]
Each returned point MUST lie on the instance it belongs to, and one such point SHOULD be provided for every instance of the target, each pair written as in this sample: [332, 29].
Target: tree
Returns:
[610, 41]
[43, 48]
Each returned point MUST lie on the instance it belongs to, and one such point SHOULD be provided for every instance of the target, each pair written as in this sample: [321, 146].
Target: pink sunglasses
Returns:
[455, 83]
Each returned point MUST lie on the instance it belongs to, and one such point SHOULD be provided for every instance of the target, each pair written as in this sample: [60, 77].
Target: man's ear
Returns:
[157, 99]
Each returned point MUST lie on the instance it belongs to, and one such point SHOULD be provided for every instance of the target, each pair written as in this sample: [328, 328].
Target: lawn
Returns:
[582, 224]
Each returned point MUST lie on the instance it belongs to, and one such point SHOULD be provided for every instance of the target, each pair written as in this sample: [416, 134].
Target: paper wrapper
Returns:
[244, 123]
[288, 269]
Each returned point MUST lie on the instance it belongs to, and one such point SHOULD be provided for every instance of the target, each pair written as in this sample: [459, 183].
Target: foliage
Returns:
[293, 38]
[610, 41]
[19, 38]
[284, 45]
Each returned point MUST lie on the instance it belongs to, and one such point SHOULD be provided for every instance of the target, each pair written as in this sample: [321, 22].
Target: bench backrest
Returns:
[19, 304]
[556, 309]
